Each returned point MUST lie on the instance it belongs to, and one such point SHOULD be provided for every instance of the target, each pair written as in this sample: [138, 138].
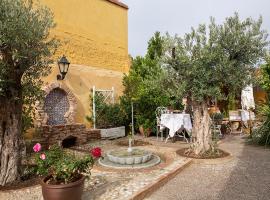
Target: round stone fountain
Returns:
[129, 158]
[123, 157]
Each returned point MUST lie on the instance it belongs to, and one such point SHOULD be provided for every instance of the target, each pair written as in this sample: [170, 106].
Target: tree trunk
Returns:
[201, 128]
[10, 137]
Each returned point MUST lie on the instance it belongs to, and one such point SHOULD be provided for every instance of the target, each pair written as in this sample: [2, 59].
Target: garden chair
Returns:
[160, 127]
[217, 128]
[216, 121]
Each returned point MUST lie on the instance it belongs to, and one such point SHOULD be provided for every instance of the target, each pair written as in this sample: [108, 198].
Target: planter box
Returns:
[112, 133]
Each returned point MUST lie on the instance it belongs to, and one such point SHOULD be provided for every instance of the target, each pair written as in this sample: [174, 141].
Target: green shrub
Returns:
[261, 135]
[107, 115]
[63, 167]
[217, 117]
[148, 86]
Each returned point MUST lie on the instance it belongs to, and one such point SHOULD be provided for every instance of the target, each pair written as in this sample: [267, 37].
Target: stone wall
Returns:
[93, 134]
[80, 80]
[56, 134]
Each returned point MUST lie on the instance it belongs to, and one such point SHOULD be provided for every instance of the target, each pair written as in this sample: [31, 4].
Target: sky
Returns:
[178, 16]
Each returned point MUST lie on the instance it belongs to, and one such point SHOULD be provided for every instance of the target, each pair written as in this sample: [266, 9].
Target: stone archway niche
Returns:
[61, 129]
[56, 105]
[55, 117]
[67, 106]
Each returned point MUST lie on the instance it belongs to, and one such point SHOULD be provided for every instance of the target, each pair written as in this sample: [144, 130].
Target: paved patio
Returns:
[119, 184]
[246, 176]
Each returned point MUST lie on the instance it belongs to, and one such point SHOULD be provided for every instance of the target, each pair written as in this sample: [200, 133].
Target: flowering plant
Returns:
[63, 167]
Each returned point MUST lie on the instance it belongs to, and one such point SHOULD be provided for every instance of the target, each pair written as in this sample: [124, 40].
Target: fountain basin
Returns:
[123, 157]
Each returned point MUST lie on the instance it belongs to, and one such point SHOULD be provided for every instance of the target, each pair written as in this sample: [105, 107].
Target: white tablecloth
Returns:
[176, 121]
[246, 114]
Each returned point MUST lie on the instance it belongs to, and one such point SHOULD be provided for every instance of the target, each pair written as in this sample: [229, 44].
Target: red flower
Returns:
[96, 152]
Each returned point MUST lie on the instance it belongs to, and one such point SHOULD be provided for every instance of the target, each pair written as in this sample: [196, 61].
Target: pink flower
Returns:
[96, 152]
[37, 147]
[42, 156]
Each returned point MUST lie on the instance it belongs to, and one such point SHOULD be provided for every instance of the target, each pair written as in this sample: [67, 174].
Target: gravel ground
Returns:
[246, 176]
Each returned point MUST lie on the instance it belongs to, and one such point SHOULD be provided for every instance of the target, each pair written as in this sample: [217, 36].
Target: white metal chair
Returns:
[216, 126]
[160, 127]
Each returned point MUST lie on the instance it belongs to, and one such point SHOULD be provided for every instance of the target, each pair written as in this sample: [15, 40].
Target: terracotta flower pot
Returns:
[144, 132]
[62, 192]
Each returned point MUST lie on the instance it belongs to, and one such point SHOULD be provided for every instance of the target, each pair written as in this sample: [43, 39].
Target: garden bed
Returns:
[135, 143]
[207, 155]
[113, 133]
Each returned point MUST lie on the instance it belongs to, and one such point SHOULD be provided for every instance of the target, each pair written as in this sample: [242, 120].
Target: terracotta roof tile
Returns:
[117, 2]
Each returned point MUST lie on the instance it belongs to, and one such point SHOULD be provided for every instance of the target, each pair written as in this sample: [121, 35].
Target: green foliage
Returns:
[62, 166]
[147, 85]
[155, 46]
[25, 52]
[264, 77]
[217, 118]
[52, 156]
[107, 115]
[212, 62]
[30, 97]
[231, 102]
[220, 58]
[261, 135]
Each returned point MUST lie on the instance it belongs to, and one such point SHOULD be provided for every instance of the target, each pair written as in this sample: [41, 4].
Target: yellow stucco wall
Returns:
[80, 79]
[94, 38]
[92, 32]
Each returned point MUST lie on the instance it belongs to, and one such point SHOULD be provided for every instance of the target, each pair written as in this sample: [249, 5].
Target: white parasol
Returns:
[247, 98]
[248, 104]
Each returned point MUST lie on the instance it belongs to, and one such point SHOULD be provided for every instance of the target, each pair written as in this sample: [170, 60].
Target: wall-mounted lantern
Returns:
[63, 65]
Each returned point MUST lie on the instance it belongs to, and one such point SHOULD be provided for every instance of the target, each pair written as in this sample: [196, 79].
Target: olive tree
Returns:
[211, 60]
[25, 55]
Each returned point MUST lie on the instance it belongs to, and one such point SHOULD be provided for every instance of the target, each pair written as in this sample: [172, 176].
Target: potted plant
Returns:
[62, 173]
[145, 125]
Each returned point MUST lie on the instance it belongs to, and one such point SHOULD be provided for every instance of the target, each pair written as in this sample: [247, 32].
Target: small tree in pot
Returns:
[63, 173]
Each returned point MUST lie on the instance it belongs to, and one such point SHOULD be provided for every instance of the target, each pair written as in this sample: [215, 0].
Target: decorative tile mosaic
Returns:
[56, 105]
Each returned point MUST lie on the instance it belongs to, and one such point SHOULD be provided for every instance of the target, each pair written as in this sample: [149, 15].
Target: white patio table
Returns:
[176, 122]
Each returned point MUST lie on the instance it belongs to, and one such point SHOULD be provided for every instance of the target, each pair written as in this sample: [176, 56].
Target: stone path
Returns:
[123, 184]
[245, 177]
